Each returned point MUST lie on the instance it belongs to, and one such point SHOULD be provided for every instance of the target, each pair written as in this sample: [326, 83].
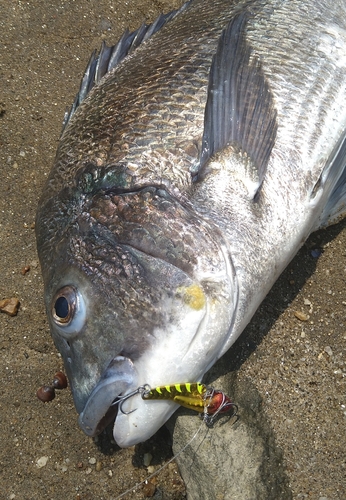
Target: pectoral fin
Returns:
[240, 108]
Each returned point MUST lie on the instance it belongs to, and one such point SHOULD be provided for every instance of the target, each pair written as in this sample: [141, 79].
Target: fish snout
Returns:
[99, 411]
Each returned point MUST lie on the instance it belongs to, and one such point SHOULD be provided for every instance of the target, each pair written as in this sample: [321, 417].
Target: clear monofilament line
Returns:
[130, 490]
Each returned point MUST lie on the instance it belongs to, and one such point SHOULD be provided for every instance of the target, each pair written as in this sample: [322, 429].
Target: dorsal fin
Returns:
[109, 57]
[240, 108]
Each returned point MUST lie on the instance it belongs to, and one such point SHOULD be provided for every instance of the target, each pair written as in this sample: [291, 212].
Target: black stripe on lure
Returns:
[195, 396]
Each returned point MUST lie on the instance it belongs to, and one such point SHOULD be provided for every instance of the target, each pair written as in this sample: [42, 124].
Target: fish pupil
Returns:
[61, 307]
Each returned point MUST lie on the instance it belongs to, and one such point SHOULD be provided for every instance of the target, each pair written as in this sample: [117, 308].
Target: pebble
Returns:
[316, 252]
[41, 462]
[149, 490]
[329, 351]
[25, 270]
[147, 459]
[301, 316]
[10, 306]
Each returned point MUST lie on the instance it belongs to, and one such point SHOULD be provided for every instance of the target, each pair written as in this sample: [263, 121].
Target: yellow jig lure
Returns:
[194, 396]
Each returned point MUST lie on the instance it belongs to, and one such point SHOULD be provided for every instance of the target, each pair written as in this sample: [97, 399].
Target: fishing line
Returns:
[134, 488]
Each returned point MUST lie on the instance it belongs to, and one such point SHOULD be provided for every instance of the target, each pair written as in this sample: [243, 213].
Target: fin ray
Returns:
[109, 57]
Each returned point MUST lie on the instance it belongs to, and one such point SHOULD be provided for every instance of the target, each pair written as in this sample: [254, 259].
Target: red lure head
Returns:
[217, 402]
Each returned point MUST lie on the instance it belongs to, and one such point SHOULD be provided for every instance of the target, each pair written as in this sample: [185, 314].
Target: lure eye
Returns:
[68, 310]
[64, 306]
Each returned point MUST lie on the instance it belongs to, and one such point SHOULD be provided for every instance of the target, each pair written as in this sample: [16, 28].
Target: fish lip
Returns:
[98, 412]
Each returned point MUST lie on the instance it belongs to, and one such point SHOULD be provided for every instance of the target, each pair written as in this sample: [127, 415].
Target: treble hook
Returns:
[121, 400]
[223, 406]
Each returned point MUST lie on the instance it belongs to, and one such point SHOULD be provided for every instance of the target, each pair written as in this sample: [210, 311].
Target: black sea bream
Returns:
[200, 153]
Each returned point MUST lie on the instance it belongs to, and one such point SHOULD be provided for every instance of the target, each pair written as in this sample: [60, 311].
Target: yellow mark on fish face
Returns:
[193, 296]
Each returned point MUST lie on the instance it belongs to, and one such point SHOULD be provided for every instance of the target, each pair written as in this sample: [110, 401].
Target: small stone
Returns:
[147, 459]
[10, 306]
[329, 351]
[338, 373]
[149, 490]
[41, 462]
[301, 316]
[316, 252]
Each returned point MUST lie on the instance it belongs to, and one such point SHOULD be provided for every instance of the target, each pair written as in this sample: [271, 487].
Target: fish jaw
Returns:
[115, 381]
[134, 420]
[137, 426]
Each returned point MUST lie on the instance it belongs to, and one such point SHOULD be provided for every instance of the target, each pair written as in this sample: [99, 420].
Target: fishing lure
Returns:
[195, 396]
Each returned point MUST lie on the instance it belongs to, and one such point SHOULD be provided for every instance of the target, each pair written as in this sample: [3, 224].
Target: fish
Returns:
[200, 153]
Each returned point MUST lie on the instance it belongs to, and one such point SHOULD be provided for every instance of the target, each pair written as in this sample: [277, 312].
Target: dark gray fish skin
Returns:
[185, 181]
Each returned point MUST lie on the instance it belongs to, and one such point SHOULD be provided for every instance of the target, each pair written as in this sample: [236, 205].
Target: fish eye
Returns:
[68, 309]
[64, 305]
[62, 309]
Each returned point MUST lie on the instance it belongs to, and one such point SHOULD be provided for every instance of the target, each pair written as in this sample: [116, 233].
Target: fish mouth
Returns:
[99, 410]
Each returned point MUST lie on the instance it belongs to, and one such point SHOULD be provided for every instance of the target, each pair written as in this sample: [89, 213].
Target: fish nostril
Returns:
[67, 344]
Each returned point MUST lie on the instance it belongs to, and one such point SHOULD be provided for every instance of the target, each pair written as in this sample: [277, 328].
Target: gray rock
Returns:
[236, 458]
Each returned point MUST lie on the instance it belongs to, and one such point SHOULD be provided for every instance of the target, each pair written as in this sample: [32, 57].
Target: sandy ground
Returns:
[299, 367]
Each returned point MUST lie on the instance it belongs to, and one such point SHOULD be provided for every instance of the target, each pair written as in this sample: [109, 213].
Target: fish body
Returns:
[199, 155]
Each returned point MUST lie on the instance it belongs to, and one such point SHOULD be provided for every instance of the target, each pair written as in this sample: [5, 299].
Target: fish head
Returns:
[137, 293]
